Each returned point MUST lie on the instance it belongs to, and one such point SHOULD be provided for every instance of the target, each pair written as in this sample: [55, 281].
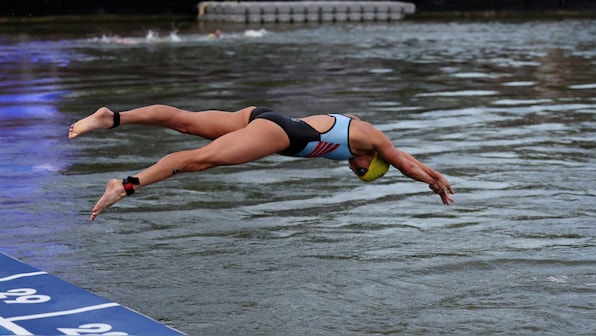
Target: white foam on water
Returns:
[458, 93]
[475, 75]
[583, 86]
[519, 83]
[521, 101]
[256, 33]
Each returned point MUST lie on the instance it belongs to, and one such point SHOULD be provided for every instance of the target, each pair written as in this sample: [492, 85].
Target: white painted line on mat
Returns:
[64, 312]
[13, 327]
[22, 275]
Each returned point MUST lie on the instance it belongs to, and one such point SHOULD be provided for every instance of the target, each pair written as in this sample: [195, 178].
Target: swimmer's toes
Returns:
[72, 134]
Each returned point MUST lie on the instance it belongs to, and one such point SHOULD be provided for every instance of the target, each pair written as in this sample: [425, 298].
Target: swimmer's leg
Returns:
[257, 140]
[209, 124]
[114, 192]
[102, 118]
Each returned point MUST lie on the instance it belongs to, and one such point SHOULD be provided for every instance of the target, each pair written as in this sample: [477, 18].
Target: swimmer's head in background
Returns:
[377, 168]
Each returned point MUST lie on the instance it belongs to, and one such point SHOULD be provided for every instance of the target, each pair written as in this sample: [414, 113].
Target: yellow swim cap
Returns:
[377, 168]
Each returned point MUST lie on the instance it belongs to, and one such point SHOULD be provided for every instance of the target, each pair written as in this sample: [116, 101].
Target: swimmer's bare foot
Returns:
[102, 118]
[114, 192]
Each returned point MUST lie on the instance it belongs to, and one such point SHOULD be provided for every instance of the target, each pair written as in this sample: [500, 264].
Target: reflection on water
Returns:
[288, 246]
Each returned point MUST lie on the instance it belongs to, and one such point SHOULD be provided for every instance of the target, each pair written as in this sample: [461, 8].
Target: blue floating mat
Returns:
[33, 302]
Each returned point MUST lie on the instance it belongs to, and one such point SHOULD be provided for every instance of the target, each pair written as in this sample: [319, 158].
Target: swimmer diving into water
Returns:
[253, 133]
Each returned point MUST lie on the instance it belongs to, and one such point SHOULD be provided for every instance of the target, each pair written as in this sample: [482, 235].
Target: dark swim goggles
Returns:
[361, 171]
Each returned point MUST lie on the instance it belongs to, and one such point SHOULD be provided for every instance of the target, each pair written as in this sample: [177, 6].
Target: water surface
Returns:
[506, 110]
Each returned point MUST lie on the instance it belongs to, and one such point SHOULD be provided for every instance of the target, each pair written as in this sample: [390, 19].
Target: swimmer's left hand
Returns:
[444, 190]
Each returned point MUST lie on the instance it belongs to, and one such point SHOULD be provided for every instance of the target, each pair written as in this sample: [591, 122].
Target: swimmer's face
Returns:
[359, 164]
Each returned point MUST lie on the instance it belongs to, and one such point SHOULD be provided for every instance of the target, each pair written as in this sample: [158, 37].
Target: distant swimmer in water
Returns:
[215, 34]
[252, 133]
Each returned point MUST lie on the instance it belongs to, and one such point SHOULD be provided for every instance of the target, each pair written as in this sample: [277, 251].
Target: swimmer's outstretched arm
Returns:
[365, 138]
[414, 169]
[438, 183]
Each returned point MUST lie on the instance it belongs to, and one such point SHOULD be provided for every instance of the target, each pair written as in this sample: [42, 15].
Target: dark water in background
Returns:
[506, 110]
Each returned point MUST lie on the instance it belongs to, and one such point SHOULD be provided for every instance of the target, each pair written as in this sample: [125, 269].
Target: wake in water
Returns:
[153, 37]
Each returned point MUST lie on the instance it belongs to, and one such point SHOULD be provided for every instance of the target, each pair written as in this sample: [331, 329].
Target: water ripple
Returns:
[288, 246]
